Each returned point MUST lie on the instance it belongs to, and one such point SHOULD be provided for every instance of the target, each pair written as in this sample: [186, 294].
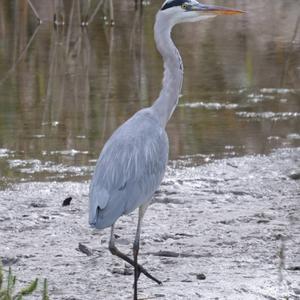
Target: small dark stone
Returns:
[27, 256]
[279, 237]
[84, 249]
[295, 176]
[201, 276]
[294, 268]
[166, 254]
[67, 201]
[37, 205]
[227, 222]
[185, 234]
[232, 165]
[297, 291]
[186, 280]
[263, 221]
[8, 261]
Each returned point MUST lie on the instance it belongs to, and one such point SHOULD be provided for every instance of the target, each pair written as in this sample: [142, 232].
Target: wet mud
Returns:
[225, 230]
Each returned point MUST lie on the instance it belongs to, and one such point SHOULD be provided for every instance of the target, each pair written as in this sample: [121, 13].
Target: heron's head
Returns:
[180, 11]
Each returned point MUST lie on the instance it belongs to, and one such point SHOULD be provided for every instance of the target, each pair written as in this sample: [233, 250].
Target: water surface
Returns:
[64, 90]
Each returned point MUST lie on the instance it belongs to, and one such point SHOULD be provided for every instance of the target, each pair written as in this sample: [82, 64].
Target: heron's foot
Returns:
[115, 251]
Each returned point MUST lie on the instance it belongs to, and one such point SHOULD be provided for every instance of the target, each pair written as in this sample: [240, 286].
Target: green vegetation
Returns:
[7, 289]
[45, 290]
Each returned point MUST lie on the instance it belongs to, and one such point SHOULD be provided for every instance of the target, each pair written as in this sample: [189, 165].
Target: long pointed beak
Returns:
[214, 9]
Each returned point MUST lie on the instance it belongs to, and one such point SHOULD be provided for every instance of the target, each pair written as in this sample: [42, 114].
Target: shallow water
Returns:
[63, 91]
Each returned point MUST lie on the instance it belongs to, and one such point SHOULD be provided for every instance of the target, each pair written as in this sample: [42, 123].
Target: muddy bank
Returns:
[225, 230]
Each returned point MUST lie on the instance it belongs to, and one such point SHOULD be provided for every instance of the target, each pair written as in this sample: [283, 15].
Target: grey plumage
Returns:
[130, 168]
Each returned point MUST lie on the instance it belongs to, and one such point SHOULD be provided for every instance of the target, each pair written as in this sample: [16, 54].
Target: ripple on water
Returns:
[293, 136]
[268, 115]
[264, 94]
[5, 152]
[36, 167]
[209, 105]
[39, 136]
[278, 91]
[71, 152]
[256, 98]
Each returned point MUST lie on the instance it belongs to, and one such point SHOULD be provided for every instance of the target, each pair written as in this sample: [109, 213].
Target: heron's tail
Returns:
[98, 199]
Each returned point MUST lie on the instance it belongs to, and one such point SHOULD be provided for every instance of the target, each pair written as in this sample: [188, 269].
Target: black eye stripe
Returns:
[173, 3]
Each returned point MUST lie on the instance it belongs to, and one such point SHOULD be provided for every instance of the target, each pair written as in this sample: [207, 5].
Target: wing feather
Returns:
[130, 168]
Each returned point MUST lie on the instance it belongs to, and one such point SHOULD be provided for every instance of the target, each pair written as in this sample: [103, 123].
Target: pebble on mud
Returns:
[297, 291]
[37, 205]
[8, 261]
[166, 253]
[84, 249]
[201, 276]
[67, 201]
[294, 268]
[159, 295]
[295, 176]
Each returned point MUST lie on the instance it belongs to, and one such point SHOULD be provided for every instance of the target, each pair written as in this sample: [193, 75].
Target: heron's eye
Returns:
[184, 6]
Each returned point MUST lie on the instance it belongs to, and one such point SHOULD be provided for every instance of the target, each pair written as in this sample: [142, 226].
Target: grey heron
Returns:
[132, 163]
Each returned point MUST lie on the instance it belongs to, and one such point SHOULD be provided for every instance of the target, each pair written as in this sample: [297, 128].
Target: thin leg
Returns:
[136, 248]
[115, 251]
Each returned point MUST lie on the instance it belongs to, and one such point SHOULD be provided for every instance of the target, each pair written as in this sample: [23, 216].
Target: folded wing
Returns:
[129, 170]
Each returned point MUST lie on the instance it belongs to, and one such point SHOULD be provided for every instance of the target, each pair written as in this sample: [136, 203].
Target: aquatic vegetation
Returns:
[8, 287]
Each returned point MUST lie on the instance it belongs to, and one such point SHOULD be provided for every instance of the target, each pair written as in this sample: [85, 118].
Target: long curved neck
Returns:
[165, 104]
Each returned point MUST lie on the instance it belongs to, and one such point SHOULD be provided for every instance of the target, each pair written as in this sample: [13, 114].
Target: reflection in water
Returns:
[63, 91]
